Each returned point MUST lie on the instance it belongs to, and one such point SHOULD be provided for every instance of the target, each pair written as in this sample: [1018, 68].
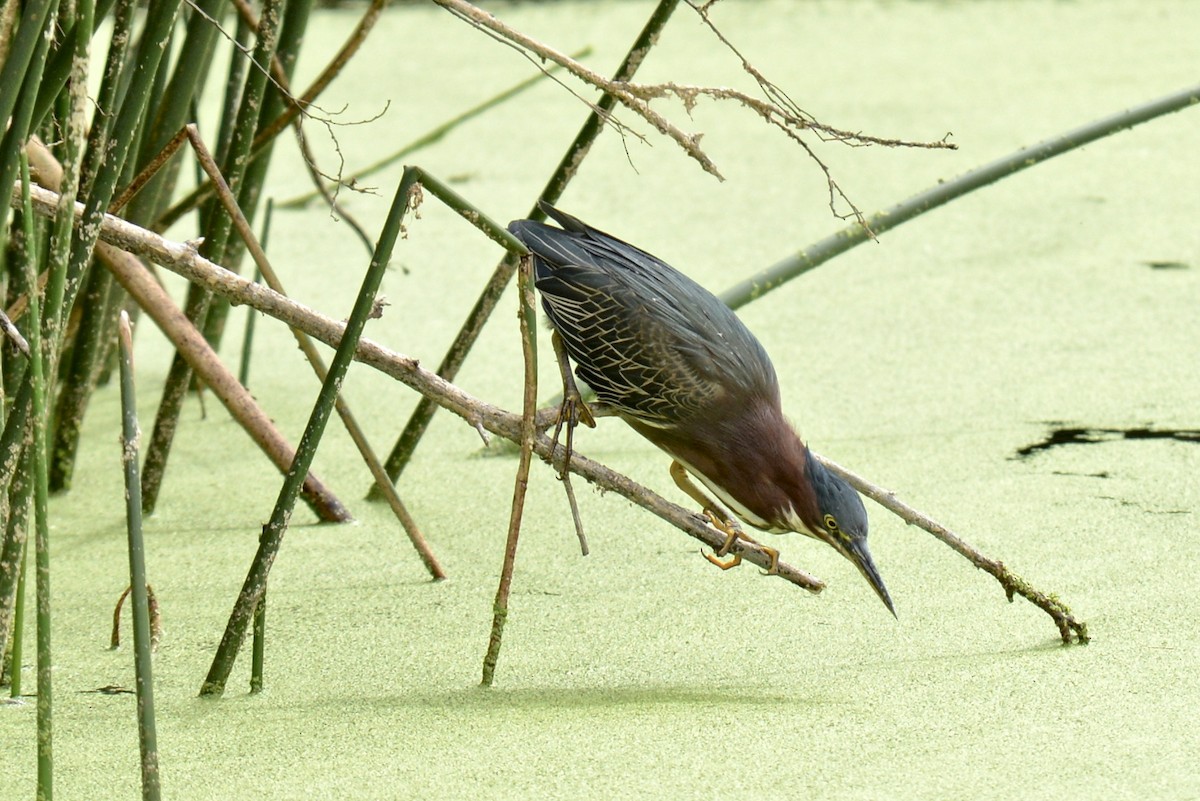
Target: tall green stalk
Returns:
[14, 74]
[160, 17]
[188, 78]
[272, 534]
[45, 706]
[17, 529]
[216, 240]
[143, 666]
[20, 76]
[71, 155]
[291, 36]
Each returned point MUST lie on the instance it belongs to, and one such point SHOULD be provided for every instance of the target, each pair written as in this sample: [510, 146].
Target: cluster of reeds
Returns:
[66, 292]
[70, 272]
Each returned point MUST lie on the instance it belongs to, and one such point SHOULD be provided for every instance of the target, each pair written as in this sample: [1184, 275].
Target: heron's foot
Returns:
[732, 533]
[571, 413]
[773, 569]
[726, 564]
[577, 410]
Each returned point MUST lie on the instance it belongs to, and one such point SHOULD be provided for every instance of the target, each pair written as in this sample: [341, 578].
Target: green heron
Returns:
[678, 366]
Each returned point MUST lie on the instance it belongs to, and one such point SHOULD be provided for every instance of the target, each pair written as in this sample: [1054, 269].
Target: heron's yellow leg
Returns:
[731, 536]
[720, 522]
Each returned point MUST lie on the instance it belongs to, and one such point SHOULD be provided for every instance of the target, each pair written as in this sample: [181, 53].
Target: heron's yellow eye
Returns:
[831, 524]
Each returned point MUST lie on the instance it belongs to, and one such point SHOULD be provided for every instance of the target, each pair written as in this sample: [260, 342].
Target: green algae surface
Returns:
[926, 362]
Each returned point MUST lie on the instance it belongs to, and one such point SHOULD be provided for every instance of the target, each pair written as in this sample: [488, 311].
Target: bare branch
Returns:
[777, 110]
[184, 260]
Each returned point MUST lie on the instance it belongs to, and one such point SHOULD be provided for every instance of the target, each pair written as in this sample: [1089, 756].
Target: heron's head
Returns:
[843, 524]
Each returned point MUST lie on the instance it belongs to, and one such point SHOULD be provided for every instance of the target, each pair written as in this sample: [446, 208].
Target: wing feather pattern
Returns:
[646, 338]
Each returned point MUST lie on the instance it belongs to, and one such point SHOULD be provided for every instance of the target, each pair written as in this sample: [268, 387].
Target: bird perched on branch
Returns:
[680, 368]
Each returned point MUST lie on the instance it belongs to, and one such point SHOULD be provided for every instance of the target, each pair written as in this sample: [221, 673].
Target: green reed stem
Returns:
[272, 534]
[142, 634]
[291, 29]
[801, 262]
[216, 239]
[252, 315]
[17, 655]
[20, 76]
[80, 381]
[45, 706]
[259, 646]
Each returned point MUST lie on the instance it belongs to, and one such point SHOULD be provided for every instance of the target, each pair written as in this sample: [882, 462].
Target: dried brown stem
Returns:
[482, 19]
[149, 294]
[528, 322]
[156, 628]
[184, 260]
[778, 110]
[242, 226]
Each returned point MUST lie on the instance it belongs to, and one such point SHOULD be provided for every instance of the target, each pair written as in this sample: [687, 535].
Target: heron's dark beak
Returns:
[856, 551]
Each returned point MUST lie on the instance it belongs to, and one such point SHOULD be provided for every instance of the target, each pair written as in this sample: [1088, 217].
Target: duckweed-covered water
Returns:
[925, 361]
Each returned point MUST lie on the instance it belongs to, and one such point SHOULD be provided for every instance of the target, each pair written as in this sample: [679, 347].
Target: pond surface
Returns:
[941, 362]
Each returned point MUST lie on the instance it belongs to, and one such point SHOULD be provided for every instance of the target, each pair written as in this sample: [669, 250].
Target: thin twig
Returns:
[690, 143]
[430, 137]
[636, 97]
[13, 334]
[1069, 628]
[242, 226]
[141, 284]
[296, 111]
[528, 320]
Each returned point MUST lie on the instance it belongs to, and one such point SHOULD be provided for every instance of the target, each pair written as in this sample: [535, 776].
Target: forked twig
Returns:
[778, 110]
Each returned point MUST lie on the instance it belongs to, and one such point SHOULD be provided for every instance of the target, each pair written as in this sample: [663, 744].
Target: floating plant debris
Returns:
[1086, 436]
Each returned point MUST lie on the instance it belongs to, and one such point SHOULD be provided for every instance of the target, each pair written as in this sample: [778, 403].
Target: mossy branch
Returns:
[1070, 629]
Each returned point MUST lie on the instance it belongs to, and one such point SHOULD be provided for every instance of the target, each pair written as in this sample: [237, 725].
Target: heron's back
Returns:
[646, 338]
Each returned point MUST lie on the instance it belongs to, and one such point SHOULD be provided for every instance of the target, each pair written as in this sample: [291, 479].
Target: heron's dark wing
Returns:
[648, 339]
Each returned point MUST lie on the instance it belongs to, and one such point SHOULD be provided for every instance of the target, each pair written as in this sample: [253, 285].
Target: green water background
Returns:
[923, 362]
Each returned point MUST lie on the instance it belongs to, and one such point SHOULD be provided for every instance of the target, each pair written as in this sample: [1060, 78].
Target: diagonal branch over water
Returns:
[183, 260]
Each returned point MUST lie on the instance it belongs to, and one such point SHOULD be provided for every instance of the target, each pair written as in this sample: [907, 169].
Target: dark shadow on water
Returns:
[1076, 435]
[550, 698]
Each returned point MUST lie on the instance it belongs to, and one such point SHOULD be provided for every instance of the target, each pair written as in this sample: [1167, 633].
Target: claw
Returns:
[732, 561]
[732, 532]
[578, 411]
[773, 570]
